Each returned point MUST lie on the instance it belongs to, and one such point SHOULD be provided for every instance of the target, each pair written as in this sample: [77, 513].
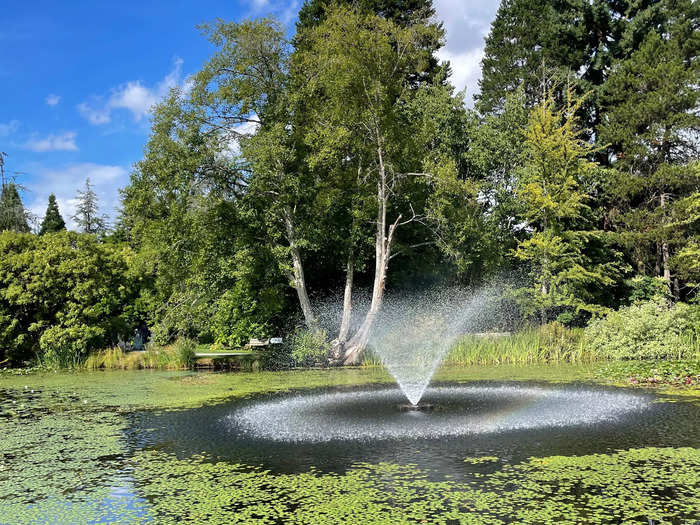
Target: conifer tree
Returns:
[53, 222]
[653, 128]
[13, 216]
[87, 214]
[553, 190]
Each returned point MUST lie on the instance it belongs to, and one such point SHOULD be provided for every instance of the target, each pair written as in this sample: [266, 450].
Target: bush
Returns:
[654, 329]
[62, 295]
[184, 349]
[309, 348]
[66, 347]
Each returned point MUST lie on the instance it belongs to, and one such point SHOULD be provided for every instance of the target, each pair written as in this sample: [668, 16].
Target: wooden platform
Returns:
[224, 354]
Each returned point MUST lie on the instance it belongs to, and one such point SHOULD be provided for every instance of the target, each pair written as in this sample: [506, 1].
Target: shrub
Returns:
[654, 329]
[66, 347]
[645, 288]
[62, 295]
[309, 348]
[184, 350]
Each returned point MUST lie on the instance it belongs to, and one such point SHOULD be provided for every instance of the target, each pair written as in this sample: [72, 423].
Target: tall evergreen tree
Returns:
[653, 127]
[53, 222]
[581, 38]
[87, 213]
[13, 216]
[404, 12]
[553, 188]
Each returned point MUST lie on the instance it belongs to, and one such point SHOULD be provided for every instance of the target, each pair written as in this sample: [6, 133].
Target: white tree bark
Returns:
[383, 243]
[297, 278]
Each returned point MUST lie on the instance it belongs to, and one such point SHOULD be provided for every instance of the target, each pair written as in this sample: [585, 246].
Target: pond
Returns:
[488, 452]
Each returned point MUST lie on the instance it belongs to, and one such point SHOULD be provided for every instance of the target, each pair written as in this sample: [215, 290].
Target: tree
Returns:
[13, 216]
[569, 38]
[53, 222]
[61, 296]
[204, 273]
[356, 86]
[87, 213]
[554, 187]
[402, 12]
[525, 35]
[653, 127]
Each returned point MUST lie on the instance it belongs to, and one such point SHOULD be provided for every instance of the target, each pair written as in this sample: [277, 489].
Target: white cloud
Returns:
[466, 26]
[62, 142]
[132, 96]
[52, 100]
[65, 183]
[8, 128]
[284, 11]
[466, 70]
[233, 147]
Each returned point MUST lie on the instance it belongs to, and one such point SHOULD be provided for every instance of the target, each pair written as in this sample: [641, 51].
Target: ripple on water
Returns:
[468, 410]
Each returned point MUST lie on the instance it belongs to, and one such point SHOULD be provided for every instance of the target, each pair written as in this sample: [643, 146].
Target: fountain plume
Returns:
[415, 331]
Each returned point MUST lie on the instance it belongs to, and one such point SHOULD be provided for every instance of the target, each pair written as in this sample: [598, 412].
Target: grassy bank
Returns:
[548, 344]
[178, 356]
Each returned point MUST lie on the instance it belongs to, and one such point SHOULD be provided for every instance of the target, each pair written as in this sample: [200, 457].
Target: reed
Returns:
[177, 356]
[552, 343]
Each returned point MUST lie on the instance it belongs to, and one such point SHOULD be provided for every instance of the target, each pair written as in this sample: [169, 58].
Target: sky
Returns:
[78, 79]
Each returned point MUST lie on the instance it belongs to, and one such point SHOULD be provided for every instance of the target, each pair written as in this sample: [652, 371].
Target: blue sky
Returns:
[77, 79]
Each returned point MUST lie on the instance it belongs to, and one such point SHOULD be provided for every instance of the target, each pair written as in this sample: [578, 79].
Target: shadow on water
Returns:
[494, 425]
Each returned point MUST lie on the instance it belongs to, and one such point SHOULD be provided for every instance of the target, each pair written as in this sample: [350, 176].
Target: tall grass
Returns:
[552, 343]
[178, 356]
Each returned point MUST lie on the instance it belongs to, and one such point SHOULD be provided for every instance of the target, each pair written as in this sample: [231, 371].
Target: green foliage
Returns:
[652, 372]
[645, 288]
[651, 124]
[53, 222]
[13, 216]
[309, 348]
[66, 346]
[551, 343]
[62, 295]
[184, 349]
[203, 272]
[654, 329]
[553, 190]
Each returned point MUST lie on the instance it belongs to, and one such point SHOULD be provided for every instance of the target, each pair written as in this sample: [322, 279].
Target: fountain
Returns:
[411, 337]
[413, 334]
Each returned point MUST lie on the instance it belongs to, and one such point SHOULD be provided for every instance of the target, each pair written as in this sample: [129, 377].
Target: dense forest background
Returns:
[296, 171]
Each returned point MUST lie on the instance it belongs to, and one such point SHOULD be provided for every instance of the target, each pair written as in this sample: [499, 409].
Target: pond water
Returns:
[333, 429]
[76, 450]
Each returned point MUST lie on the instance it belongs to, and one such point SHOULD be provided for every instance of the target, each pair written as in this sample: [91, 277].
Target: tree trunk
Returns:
[338, 345]
[665, 256]
[383, 242]
[347, 302]
[297, 278]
